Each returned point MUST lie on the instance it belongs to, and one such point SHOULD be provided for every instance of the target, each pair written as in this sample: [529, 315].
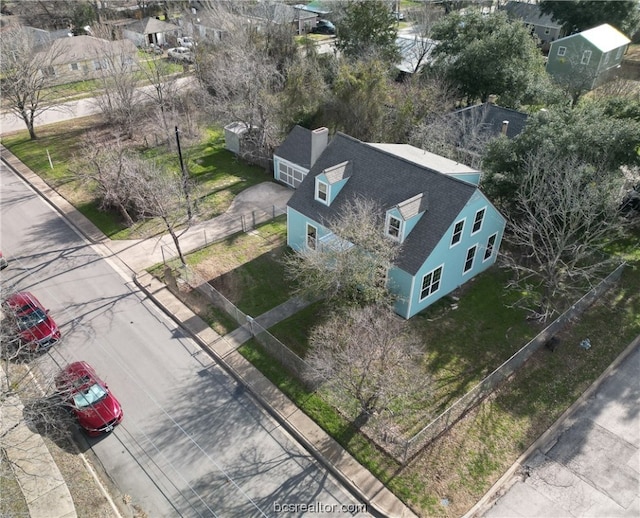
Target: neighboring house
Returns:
[205, 26]
[301, 21]
[150, 30]
[539, 25]
[588, 58]
[415, 52]
[84, 57]
[493, 120]
[448, 230]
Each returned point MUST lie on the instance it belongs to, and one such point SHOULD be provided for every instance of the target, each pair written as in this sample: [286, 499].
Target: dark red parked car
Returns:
[36, 328]
[97, 410]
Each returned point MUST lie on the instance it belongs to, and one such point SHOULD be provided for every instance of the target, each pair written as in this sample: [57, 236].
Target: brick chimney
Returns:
[319, 141]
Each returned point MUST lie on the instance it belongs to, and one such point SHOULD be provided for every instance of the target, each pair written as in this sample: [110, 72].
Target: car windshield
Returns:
[31, 319]
[89, 396]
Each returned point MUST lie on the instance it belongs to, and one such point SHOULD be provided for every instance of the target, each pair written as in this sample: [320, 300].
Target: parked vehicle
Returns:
[187, 42]
[3, 262]
[398, 15]
[96, 408]
[181, 54]
[152, 48]
[37, 330]
[324, 27]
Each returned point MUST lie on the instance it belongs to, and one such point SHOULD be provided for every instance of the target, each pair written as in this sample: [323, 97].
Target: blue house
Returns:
[448, 230]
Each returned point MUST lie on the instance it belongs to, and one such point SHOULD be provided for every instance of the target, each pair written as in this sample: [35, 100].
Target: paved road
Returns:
[591, 466]
[192, 443]
[10, 122]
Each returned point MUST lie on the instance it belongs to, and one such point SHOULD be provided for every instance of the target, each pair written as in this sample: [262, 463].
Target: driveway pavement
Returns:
[588, 464]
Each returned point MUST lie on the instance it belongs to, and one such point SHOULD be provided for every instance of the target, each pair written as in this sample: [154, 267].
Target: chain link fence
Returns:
[455, 412]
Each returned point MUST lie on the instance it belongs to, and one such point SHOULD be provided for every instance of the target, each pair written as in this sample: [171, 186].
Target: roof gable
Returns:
[296, 147]
[605, 38]
[151, 26]
[390, 181]
[530, 13]
[84, 48]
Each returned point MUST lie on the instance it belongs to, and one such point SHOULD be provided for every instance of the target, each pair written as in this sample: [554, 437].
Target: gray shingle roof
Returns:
[151, 26]
[297, 147]
[389, 180]
[491, 117]
[530, 13]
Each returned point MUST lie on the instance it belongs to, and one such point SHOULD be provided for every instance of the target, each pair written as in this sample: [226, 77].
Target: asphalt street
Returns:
[192, 442]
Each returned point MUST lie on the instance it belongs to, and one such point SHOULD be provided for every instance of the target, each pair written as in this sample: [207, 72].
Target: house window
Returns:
[457, 233]
[322, 192]
[74, 66]
[290, 176]
[430, 283]
[477, 221]
[491, 243]
[586, 57]
[562, 51]
[394, 226]
[619, 53]
[312, 236]
[606, 58]
[99, 65]
[468, 262]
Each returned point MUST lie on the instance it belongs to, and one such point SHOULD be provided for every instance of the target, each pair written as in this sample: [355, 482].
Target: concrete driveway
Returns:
[590, 465]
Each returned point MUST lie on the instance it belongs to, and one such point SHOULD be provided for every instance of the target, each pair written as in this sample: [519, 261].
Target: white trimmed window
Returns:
[606, 58]
[491, 243]
[619, 53]
[394, 227]
[322, 192]
[312, 236]
[562, 51]
[477, 221]
[586, 57]
[457, 232]
[74, 66]
[468, 262]
[430, 283]
[289, 175]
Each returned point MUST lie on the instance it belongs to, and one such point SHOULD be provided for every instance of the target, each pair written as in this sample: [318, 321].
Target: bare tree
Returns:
[25, 67]
[242, 81]
[566, 213]
[350, 265]
[370, 355]
[160, 194]
[119, 101]
[107, 170]
[462, 137]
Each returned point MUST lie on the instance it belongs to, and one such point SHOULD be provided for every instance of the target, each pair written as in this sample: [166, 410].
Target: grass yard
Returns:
[218, 174]
[466, 336]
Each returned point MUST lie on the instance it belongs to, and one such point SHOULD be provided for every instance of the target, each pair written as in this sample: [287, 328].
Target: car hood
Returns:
[42, 330]
[100, 414]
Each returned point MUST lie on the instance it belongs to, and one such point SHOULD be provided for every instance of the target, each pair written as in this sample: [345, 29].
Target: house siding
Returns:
[453, 259]
[297, 229]
[568, 67]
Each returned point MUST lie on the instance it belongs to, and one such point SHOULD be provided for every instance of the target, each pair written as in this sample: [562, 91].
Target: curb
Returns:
[319, 444]
[505, 482]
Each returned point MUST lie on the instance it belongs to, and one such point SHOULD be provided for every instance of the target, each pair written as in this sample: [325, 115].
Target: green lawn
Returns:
[218, 173]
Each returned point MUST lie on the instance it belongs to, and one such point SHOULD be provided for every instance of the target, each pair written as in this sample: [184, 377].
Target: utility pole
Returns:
[185, 178]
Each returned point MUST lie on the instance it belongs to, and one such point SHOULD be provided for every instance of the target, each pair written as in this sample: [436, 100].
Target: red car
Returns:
[97, 410]
[34, 325]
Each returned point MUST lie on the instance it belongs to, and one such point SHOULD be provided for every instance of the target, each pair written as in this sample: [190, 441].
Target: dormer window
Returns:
[322, 192]
[394, 227]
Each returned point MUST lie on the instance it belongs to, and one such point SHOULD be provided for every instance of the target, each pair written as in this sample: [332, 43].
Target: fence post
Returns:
[244, 228]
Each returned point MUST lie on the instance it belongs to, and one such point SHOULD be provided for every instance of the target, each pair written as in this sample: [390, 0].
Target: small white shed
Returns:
[233, 135]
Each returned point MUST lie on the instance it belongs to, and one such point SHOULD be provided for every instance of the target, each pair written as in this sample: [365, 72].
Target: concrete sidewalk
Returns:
[137, 255]
[38, 476]
[588, 463]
